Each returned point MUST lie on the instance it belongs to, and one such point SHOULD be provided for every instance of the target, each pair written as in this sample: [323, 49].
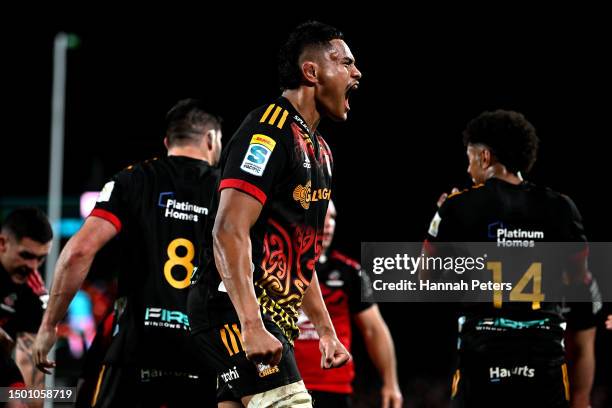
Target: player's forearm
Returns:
[581, 391]
[314, 307]
[25, 362]
[34, 379]
[70, 272]
[581, 380]
[382, 352]
[232, 249]
[581, 359]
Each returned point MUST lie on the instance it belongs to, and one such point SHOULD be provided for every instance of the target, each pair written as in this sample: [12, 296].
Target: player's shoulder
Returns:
[140, 167]
[562, 201]
[274, 117]
[464, 197]
[553, 194]
[550, 196]
[344, 259]
[130, 177]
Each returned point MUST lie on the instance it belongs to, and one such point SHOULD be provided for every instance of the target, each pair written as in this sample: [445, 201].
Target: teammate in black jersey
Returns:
[274, 191]
[158, 210]
[25, 241]
[513, 353]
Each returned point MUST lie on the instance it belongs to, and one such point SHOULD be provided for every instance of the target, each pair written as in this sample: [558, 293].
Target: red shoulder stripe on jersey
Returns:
[108, 216]
[343, 258]
[245, 187]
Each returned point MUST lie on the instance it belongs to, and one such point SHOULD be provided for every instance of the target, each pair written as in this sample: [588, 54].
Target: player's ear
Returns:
[485, 158]
[166, 142]
[3, 239]
[210, 139]
[309, 71]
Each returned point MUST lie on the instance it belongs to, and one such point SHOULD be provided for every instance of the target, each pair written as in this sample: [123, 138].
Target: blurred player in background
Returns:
[340, 282]
[158, 210]
[513, 354]
[25, 241]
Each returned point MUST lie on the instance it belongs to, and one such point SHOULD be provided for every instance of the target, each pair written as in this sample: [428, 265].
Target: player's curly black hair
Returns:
[308, 34]
[188, 119]
[509, 136]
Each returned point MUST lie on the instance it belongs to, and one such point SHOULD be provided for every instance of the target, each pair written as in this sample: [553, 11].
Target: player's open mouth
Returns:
[349, 90]
[21, 274]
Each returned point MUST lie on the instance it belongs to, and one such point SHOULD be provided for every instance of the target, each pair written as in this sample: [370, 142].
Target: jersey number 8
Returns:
[175, 260]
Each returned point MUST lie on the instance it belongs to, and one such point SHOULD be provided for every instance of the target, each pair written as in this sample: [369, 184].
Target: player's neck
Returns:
[303, 101]
[188, 151]
[500, 172]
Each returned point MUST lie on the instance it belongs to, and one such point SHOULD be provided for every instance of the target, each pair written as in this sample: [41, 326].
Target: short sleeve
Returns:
[575, 228]
[255, 160]
[112, 202]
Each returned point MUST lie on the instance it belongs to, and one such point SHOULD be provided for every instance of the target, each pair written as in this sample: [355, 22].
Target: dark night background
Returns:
[424, 77]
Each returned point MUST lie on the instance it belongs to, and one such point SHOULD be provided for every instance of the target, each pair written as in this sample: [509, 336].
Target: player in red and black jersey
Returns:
[274, 191]
[25, 241]
[157, 209]
[340, 280]
[513, 353]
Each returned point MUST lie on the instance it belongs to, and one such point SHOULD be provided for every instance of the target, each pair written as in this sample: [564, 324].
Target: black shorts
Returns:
[136, 387]
[510, 384]
[221, 348]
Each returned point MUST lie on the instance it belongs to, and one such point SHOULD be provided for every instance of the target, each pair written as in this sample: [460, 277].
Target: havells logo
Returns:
[257, 155]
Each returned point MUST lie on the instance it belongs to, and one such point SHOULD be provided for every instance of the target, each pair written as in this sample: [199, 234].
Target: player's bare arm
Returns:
[237, 213]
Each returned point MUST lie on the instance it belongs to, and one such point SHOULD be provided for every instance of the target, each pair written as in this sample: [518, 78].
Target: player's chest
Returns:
[311, 171]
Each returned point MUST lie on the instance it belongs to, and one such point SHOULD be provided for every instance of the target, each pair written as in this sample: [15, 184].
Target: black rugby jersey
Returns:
[513, 215]
[273, 158]
[160, 208]
[21, 306]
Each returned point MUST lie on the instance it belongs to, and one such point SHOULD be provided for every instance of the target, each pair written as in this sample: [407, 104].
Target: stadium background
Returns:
[424, 77]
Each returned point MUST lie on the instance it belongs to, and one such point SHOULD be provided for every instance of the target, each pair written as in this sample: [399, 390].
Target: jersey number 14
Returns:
[534, 272]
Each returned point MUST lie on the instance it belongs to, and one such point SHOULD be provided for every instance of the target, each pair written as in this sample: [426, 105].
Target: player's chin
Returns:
[339, 115]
